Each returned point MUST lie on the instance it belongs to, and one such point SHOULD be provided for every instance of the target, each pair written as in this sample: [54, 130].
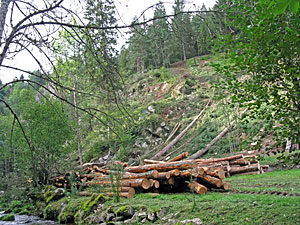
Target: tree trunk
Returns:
[136, 183]
[78, 120]
[165, 149]
[180, 157]
[210, 181]
[3, 12]
[138, 65]
[214, 141]
[244, 169]
[198, 188]
[149, 174]
[214, 160]
[143, 65]
[182, 165]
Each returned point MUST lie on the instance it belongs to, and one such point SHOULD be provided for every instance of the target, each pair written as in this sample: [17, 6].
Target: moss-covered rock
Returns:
[126, 211]
[52, 193]
[54, 208]
[87, 207]
[9, 217]
[48, 191]
[67, 214]
[39, 208]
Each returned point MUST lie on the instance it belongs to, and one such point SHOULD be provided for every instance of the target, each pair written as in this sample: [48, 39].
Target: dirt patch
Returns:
[179, 64]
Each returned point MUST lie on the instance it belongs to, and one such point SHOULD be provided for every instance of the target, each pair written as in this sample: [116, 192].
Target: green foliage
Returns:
[67, 215]
[115, 179]
[166, 41]
[53, 209]
[87, 207]
[8, 217]
[270, 89]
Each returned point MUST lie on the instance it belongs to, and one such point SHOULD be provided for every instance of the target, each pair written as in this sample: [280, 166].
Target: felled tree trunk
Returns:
[181, 165]
[198, 188]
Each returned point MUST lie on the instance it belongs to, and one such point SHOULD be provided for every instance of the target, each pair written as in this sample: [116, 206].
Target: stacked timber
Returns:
[240, 164]
[175, 175]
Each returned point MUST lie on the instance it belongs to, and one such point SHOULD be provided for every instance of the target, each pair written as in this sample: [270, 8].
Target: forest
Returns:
[92, 101]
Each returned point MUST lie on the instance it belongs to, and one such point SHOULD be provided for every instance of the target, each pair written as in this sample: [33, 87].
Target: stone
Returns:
[161, 213]
[151, 109]
[110, 216]
[195, 221]
[151, 217]
[142, 214]
[119, 218]
[130, 221]
[159, 130]
[144, 145]
[125, 211]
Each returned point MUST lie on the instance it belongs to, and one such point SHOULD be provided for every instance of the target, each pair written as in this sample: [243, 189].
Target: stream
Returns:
[24, 219]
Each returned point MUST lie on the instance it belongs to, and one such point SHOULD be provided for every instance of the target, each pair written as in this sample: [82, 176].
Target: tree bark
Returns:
[211, 181]
[78, 120]
[182, 165]
[3, 13]
[136, 183]
[198, 188]
[180, 157]
[244, 169]
[214, 160]
[149, 174]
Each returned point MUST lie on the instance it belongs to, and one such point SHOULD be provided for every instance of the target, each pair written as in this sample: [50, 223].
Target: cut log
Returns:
[171, 181]
[181, 165]
[136, 183]
[126, 176]
[174, 172]
[225, 186]
[244, 169]
[195, 172]
[241, 162]
[215, 172]
[180, 157]
[155, 184]
[163, 175]
[198, 188]
[214, 160]
[150, 161]
[209, 180]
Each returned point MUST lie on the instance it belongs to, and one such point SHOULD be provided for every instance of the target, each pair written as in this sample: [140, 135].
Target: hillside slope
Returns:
[164, 101]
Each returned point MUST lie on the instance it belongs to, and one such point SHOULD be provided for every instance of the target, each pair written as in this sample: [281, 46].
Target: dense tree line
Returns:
[171, 39]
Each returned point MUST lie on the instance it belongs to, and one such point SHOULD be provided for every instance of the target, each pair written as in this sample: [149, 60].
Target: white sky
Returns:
[127, 9]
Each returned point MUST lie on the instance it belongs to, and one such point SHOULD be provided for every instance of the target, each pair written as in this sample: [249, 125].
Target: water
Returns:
[24, 219]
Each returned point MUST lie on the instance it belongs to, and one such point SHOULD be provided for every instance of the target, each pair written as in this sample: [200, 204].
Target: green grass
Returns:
[284, 181]
[231, 208]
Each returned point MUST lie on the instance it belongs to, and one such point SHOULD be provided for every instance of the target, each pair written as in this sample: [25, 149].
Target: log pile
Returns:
[176, 175]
